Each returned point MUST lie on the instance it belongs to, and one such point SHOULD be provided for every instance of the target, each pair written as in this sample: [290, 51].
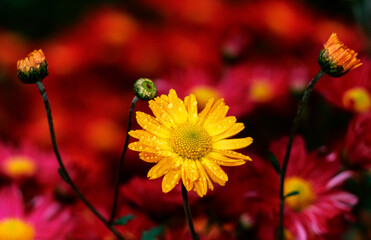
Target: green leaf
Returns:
[152, 233]
[274, 162]
[124, 220]
[63, 175]
[293, 193]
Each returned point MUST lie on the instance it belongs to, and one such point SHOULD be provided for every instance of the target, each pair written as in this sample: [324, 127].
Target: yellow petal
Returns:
[176, 105]
[158, 109]
[231, 144]
[233, 130]
[171, 179]
[217, 113]
[140, 147]
[214, 171]
[150, 124]
[188, 174]
[150, 140]
[203, 181]
[220, 126]
[161, 168]
[205, 111]
[224, 160]
[191, 106]
[191, 169]
[150, 157]
[233, 154]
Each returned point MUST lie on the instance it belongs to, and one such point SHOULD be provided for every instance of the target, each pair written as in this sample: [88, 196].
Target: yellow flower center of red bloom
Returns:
[357, 99]
[19, 166]
[204, 93]
[305, 197]
[15, 229]
[260, 91]
[190, 141]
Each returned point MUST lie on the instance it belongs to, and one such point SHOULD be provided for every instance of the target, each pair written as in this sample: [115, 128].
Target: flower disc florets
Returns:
[190, 141]
[33, 68]
[336, 59]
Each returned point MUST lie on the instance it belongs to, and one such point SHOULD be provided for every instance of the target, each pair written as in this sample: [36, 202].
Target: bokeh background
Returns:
[256, 54]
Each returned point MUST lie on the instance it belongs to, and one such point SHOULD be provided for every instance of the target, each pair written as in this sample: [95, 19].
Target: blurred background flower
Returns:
[256, 54]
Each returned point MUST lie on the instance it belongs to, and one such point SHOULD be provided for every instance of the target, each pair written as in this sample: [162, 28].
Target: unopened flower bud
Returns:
[336, 59]
[33, 68]
[145, 89]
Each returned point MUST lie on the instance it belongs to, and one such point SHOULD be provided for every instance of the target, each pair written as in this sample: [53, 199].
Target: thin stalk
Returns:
[188, 213]
[63, 169]
[294, 128]
[114, 205]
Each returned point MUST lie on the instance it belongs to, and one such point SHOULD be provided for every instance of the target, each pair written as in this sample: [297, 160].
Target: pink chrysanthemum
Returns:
[27, 162]
[320, 199]
[353, 93]
[47, 220]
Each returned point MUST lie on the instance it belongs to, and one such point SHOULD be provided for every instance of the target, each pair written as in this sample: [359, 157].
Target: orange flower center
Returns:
[305, 197]
[357, 99]
[190, 141]
[15, 229]
[18, 166]
[260, 91]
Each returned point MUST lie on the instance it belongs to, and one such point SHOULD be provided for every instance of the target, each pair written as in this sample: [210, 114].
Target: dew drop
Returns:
[170, 105]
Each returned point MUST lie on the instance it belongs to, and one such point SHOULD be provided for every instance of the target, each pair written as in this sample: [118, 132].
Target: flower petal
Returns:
[150, 157]
[189, 173]
[220, 126]
[205, 111]
[233, 154]
[150, 140]
[171, 179]
[191, 106]
[150, 124]
[231, 144]
[161, 168]
[214, 171]
[224, 160]
[217, 112]
[236, 128]
[161, 113]
[176, 105]
[203, 181]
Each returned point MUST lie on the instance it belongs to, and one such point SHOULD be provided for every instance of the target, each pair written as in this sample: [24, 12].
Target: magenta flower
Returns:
[320, 199]
[46, 220]
[27, 162]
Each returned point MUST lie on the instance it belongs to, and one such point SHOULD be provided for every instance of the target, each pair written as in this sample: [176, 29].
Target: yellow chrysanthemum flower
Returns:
[187, 145]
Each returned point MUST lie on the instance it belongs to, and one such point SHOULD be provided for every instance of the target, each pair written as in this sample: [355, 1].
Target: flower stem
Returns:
[188, 213]
[63, 169]
[114, 205]
[294, 128]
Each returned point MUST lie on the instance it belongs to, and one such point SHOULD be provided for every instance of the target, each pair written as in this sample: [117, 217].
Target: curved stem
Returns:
[114, 205]
[188, 213]
[293, 131]
[63, 169]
